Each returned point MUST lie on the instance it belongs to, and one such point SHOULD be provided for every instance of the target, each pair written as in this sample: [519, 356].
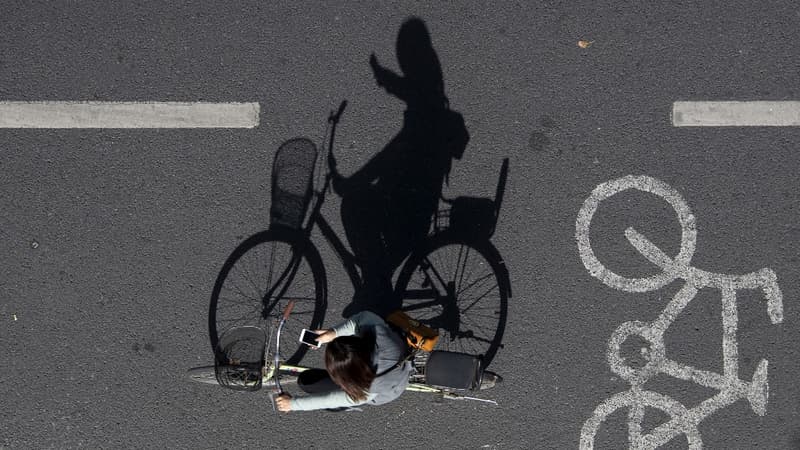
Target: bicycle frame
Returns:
[347, 258]
[273, 373]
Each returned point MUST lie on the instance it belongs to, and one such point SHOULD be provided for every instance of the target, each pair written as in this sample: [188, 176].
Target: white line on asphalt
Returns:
[74, 114]
[736, 114]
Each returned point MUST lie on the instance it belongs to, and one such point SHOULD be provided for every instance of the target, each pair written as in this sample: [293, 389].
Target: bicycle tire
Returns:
[257, 267]
[464, 325]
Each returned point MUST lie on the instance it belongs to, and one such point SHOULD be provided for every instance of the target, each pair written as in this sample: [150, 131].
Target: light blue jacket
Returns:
[389, 349]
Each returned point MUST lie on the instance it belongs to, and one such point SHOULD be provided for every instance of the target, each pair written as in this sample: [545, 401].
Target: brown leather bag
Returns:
[417, 335]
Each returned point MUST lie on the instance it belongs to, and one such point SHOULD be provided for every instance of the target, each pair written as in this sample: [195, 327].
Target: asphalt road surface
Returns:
[111, 239]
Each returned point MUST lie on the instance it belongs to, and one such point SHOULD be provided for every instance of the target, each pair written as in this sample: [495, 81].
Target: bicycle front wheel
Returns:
[205, 375]
[259, 278]
[461, 289]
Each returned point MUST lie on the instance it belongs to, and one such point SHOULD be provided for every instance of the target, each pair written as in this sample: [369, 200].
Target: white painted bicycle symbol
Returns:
[682, 420]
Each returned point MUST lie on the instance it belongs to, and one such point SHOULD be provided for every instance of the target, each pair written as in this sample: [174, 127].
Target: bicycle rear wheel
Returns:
[259, 278]
[461, 289]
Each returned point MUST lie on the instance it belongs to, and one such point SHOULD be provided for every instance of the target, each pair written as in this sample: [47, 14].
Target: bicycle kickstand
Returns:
[452, 396]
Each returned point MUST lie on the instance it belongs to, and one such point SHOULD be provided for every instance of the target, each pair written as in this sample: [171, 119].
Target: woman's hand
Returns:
[283, 402]
[325, 336]
[377, 70]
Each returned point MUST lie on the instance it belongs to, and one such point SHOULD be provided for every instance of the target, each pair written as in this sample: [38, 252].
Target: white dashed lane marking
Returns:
[736, 114]
[73, 114]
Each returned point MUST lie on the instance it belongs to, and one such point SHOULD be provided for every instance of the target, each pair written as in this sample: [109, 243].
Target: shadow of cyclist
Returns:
[388, 204]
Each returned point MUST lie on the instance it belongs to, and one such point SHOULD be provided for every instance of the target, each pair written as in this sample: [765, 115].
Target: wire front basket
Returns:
[240, 358]
[292, 173]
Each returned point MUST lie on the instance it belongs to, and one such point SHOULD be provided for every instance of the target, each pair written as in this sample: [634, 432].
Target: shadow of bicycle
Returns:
[409, 248]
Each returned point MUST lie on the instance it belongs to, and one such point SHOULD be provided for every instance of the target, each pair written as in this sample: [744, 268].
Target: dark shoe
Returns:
[345, 408]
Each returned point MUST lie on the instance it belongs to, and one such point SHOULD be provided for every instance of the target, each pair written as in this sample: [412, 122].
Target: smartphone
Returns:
[309, 338]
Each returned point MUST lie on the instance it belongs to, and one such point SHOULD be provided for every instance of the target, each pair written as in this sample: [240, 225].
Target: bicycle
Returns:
[446, 374]
[731, 388]
[455, 281]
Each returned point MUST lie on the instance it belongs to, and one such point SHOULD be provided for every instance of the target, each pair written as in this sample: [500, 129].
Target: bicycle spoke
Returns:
[248, 277]
[270, 265]
[462, 256]
[437, 274]
[421, 305]
[237, 289]
[482, 295]
[473, 284]
[476, 327]
[250, 307]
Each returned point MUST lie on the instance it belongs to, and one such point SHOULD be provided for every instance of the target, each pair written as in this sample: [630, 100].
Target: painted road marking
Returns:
[730, 387]
[736, 114]
[69, 114]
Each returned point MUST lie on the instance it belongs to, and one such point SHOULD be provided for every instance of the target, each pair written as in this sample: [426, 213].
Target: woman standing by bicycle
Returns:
[365, 362]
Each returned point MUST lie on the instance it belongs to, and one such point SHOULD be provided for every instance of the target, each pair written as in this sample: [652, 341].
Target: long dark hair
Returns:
[348, 360]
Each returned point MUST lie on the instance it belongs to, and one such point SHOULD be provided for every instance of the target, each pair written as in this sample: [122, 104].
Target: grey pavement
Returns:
[111, 239]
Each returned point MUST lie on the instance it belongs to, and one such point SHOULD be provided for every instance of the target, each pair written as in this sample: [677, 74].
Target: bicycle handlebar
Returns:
[276, 359]
[333, 119]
